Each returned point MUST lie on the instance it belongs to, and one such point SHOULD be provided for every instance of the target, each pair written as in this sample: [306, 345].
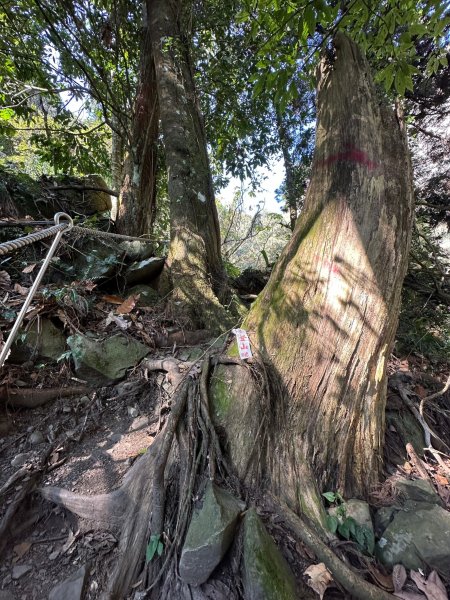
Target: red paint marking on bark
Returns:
[352, 155]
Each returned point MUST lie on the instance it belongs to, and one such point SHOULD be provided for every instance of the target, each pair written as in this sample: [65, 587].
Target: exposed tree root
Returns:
[155, 498]
[27, 486]
[342, 573]
[31, 398]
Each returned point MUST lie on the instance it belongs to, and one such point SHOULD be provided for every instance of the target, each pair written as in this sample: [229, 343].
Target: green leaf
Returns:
[400, 84]
[330, 496]
[310, 18]
[154, 546]
[347, 528]
[6, 114]
[332, 523]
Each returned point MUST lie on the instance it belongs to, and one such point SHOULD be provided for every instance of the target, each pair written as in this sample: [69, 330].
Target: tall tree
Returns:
[195, 264]
[325, 322]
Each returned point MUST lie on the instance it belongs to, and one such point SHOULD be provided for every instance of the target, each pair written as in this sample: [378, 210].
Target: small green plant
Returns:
[346, 526]
[155, 546]
[65, 356]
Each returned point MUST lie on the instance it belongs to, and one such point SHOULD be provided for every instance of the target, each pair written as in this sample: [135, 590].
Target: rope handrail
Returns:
[75, 228]
[57, 230]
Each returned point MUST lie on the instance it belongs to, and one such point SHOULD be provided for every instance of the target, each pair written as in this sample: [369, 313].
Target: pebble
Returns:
[36, 437]
[20, 570]
[133, 411]
[20, 459]
[139, 423]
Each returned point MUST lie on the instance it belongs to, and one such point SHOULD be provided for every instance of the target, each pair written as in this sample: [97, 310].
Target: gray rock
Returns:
[5, 595]
[20, 459]
[105, 361]
[135, 250]
[139, 423]
[267, 576]
[383, 517]
[41, 340]
[132, 411]
[72, 588]
[417, 490]
[144, 271]
[36, 437]
[210, 534]
[360, 511]
[408, 429]
[20, 570]
[147, 295]
[418, 538]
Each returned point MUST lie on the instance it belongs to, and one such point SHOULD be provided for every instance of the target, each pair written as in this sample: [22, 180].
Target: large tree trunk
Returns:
[325, 322]
[195, 263]
[137, 207]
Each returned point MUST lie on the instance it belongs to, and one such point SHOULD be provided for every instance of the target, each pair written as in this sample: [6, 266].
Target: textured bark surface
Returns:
[194, 260]
[325, 322]
[137, 207]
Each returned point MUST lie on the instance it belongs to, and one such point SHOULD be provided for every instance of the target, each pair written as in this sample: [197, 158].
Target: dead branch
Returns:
[418, 463]
[170, 365]
[31, 398]
[435, 395]
[81, 188]
[12, 480]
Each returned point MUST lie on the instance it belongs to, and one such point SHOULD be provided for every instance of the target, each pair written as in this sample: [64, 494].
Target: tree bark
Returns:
[194, 261]
[325, 323]
[137, 207]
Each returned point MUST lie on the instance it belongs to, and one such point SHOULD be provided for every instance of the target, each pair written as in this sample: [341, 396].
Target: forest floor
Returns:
[87, 442]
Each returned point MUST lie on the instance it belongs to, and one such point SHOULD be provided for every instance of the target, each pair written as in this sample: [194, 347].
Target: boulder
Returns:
[147, 295]
[144, 271]
[418, 539]
[360, 511]
[105, 361]
[97, 258]
[417, 490]
[267, 576]
[41, 340]
[135, 250]
[72, 588]
[210, 534]
[97, 201]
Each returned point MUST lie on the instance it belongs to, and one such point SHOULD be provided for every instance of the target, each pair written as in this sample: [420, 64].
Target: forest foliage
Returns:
[69, 76]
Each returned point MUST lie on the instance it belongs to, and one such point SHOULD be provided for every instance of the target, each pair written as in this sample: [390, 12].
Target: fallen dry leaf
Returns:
[441, 479]
[119, 321]
[5, 280]
[29, 269]
[128, 305]
[383, 581]
[112, 299]
[23, 291]
[22, 549]
[432, 587]
[320, 578]
[399, 577]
